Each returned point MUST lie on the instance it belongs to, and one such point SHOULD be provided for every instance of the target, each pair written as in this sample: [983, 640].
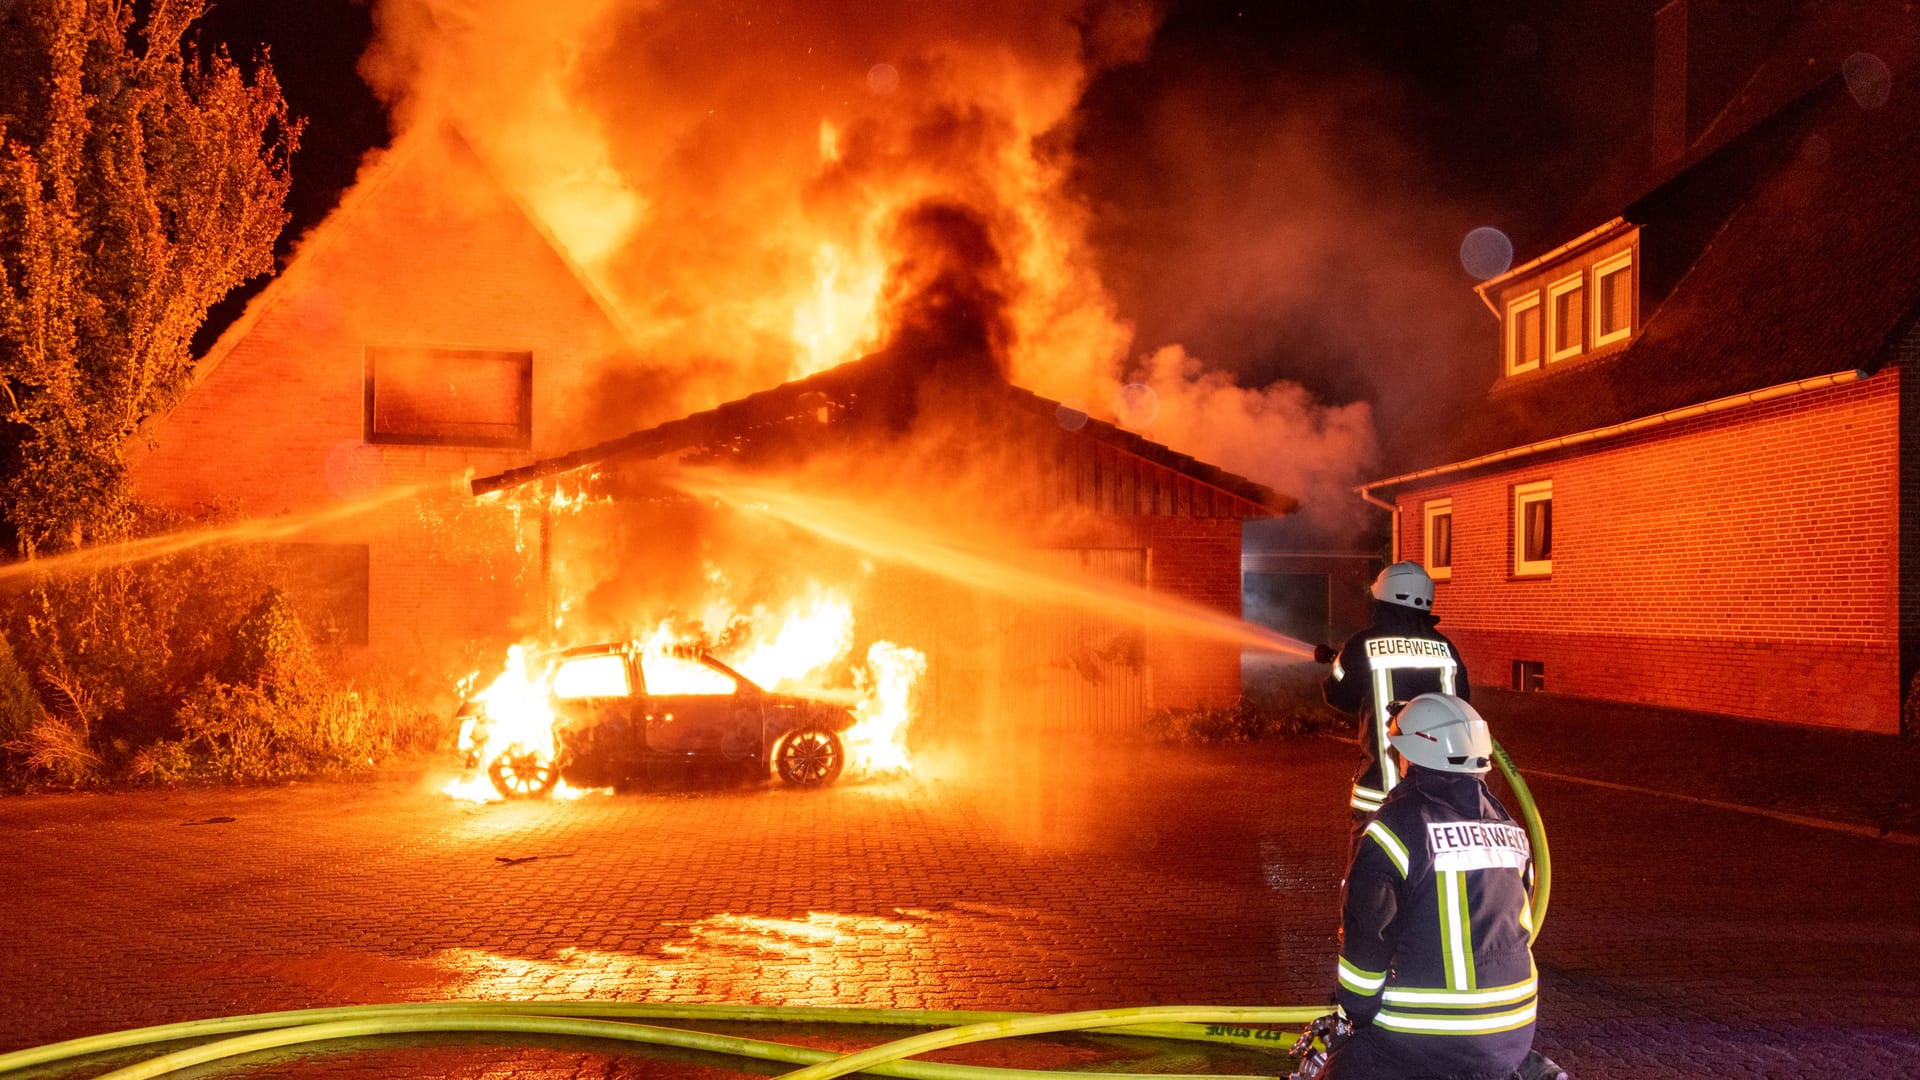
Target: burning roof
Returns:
[889, 391]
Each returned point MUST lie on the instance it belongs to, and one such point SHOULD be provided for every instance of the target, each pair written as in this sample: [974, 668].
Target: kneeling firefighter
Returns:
[1436, 972]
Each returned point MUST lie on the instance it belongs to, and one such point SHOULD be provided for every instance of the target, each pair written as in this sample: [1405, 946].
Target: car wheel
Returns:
[810, 757]
[523, 774]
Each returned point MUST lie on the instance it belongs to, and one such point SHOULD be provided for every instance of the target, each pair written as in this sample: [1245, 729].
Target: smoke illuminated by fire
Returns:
[768, 191]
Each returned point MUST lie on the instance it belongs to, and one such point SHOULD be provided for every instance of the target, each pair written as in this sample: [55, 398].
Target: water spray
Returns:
[101, 556]
[858, 526]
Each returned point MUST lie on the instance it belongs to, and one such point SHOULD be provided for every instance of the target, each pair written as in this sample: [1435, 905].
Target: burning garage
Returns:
[1051, 565]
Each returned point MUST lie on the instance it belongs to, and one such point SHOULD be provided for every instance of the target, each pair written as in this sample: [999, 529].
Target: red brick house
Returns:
[1084, 498]
[1695, 479]
[425, 328]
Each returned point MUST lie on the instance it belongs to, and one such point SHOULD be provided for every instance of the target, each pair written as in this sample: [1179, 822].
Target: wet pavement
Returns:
[1686, 937]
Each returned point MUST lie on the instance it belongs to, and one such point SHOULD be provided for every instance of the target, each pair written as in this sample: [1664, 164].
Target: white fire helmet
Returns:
[1406, 584]
[1441, 732]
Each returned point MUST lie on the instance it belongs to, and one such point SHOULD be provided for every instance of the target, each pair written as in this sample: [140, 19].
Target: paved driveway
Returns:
[1683, 940]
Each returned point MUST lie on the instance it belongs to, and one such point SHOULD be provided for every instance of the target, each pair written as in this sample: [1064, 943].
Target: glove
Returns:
[1324, 654]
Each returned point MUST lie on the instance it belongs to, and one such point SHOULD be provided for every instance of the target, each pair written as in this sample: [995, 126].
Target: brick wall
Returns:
[423, 254]
[1744, 563]
[1907, 361]
[1196, 559]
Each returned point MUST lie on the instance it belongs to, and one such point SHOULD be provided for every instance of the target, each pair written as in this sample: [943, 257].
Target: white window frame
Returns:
[1555, 291]
[1514, 308]
[1434, 509]
[1610, 265]
[1525, 495]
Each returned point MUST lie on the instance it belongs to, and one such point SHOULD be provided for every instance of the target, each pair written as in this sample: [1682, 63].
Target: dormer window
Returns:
[1579, 300]
[1523, 334]
[1613, 315]
[1566, 316]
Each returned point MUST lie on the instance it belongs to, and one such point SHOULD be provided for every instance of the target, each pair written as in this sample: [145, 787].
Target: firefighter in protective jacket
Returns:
[1399, 656]
[1436, 971]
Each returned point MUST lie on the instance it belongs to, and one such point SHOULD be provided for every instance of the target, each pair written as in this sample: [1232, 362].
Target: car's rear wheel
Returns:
[523, 774]
[810, 757]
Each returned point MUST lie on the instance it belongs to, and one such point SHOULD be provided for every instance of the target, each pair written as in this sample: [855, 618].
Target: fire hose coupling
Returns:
[1324, 654]
[1322, 1037]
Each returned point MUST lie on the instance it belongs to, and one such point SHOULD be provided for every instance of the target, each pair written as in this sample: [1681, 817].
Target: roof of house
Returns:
[380, 170]
[882, 376]
[1814, 269]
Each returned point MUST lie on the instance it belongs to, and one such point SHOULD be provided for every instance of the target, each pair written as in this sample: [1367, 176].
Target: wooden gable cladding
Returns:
[1088, 475]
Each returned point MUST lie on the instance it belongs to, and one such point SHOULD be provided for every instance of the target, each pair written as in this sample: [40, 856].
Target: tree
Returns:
[140, 181]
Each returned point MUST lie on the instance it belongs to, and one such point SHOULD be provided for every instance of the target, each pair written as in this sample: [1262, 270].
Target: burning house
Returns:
[426, 328]
[1694, 481]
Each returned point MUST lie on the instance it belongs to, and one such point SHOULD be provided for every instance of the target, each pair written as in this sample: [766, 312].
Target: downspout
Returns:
[1393, 512]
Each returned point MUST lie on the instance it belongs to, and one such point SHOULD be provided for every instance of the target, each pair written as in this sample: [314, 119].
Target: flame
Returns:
[517, 718]
[808, 640]
[877, 741]
[800, 650]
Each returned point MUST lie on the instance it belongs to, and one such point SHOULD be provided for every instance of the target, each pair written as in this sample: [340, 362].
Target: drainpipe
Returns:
[1393, 554]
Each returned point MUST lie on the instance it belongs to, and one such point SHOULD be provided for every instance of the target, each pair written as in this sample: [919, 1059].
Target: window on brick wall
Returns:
[1523, 334]
[1529, 676]
[1613, 306]
[1566, 317]
[449, 397]
[1533, 529]
[1438, 556]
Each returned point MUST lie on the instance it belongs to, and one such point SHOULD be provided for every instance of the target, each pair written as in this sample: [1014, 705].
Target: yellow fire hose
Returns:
[611, 1020]
[1536, 836]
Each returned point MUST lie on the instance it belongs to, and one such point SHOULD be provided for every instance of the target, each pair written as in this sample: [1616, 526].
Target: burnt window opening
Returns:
[1529, 676]
[417, 395]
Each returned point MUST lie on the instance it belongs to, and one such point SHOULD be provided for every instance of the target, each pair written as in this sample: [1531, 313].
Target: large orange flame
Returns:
[802, 650]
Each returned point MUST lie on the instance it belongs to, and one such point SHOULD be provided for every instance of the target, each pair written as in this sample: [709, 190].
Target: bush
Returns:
[1282, 701]
[193, 667]
[20, 707]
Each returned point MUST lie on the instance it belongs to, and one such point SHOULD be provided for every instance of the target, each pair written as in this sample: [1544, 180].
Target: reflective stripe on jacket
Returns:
[1396, 659]
[1435, 935]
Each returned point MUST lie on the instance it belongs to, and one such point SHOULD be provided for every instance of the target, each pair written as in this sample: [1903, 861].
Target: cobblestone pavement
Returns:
[1683, 940]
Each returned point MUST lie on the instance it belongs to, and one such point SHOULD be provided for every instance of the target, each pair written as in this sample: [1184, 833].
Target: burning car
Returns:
[600, 715]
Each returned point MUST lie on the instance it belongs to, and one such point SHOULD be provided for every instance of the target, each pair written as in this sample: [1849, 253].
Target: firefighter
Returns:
[1399, 656]
[1436, 972]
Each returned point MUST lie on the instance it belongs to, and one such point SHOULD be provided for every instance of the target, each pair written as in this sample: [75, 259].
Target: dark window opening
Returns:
[449, 397]
[1529, 676]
